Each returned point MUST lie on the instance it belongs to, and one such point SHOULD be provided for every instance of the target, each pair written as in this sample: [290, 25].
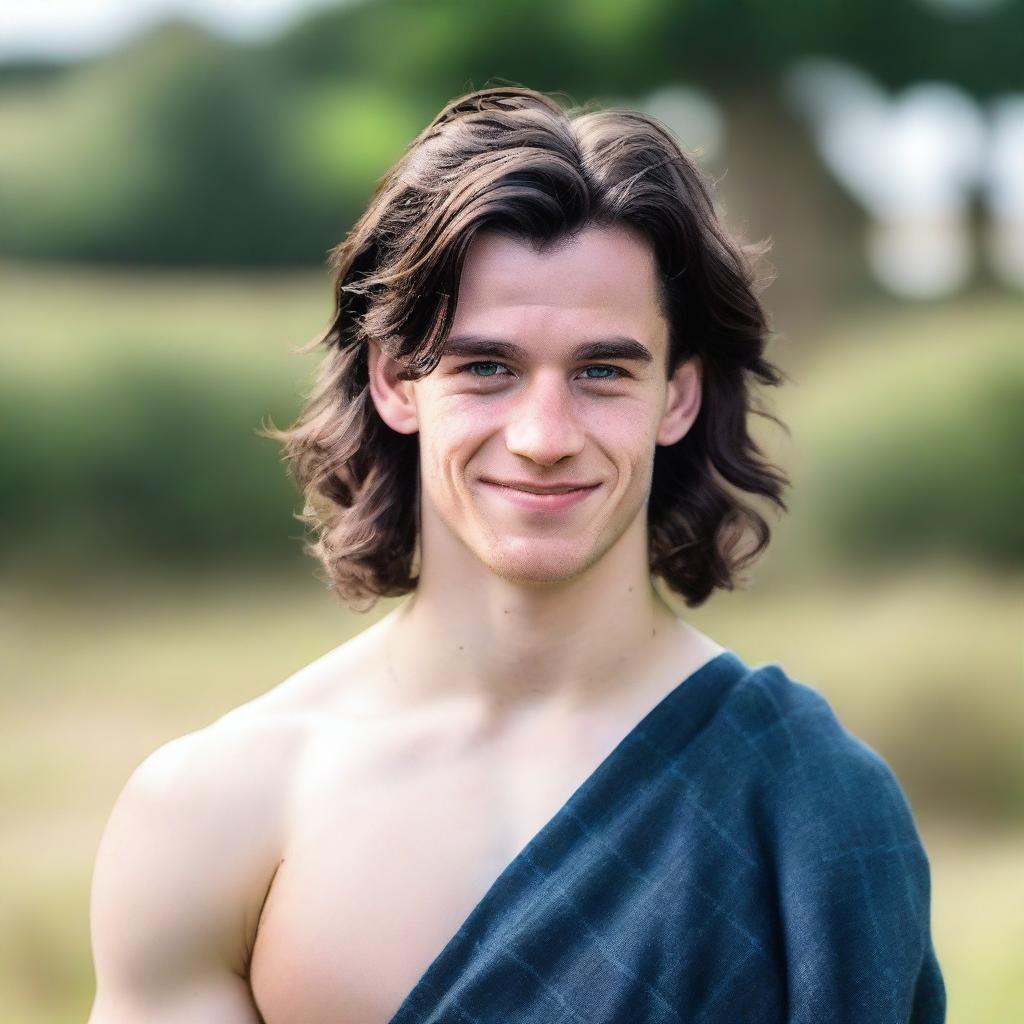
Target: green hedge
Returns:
[941, 477]
[145, 461]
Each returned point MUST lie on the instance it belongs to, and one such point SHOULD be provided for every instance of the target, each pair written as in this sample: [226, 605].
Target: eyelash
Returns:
[620, 373]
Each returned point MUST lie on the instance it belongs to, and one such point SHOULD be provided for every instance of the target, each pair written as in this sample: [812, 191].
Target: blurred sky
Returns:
[71, 28]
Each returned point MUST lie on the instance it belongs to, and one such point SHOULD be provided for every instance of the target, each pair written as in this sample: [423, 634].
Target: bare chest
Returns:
[387, 857]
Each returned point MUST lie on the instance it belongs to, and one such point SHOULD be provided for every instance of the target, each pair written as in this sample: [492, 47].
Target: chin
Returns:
[535, 562]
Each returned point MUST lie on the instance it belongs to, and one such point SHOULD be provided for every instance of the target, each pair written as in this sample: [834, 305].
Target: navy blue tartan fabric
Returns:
[739, 858]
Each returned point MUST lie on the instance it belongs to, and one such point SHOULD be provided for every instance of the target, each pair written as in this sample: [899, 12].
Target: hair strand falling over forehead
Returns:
[511, 159]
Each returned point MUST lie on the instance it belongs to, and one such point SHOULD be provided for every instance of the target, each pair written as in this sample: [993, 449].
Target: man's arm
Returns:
[855, 890]
[182, 870]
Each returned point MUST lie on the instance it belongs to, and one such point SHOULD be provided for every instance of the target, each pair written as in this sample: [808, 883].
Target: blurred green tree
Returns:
[186, 149]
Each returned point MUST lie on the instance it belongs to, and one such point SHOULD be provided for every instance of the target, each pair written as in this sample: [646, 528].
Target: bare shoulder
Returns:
[191, 846]
[190, 851]
[208, 784]
[213, 803]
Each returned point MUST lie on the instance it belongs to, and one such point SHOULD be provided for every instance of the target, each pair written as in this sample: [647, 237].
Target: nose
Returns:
[543, 426]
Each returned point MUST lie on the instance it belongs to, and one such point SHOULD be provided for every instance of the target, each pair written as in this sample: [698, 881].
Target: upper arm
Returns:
[851, 879]
[188, 851]
[854, 887]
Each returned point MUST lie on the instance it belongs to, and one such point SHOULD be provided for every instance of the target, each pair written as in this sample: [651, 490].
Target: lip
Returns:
[548, 501]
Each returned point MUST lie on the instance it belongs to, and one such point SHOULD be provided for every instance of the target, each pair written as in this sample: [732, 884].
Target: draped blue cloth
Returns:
[739, 858]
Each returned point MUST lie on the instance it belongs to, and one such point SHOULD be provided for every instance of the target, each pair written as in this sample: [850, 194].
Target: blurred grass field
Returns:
[921, 654]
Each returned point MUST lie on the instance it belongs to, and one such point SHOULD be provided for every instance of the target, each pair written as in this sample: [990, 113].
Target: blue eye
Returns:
[488, 368]
[473, 366]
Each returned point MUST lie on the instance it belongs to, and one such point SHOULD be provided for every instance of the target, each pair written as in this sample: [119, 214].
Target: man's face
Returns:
[519, 404]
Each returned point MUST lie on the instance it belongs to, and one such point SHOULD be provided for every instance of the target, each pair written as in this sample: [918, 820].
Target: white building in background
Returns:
[915, 162]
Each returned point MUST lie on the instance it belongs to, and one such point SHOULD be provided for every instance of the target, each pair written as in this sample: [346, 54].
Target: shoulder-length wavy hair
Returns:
[513, 160]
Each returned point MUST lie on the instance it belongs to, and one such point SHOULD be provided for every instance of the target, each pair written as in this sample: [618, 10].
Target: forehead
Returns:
[604, 279]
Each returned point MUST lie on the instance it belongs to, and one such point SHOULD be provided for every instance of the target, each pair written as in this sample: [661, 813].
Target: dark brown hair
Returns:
[511, 159]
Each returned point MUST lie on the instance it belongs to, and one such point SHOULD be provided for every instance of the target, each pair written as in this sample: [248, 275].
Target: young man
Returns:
[531, 793]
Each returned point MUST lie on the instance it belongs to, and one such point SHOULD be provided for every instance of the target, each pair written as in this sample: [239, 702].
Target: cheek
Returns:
[454, 419]
[627, 437]
[450, 433]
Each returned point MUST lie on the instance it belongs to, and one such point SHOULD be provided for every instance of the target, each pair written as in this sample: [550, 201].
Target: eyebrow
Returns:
[603, 348]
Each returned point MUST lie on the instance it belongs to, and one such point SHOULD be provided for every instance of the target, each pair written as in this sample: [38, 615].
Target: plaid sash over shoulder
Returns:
[739, 858]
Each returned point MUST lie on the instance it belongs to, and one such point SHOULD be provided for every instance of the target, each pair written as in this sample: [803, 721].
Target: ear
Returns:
[393, 397]
[683, 402]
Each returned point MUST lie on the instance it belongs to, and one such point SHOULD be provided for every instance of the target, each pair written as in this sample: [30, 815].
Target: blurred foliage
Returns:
[908, 441]
[943, 478]
[184, 149]
[142, 461]
[169, 152]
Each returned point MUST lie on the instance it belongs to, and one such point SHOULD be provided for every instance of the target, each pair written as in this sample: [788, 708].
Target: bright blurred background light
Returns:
[912, 161]
[920, 259]
[917, 154]
[692, 115]
[966, 8]
[66, 29]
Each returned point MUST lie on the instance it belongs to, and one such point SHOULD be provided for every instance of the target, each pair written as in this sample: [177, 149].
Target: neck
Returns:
[504, 644]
